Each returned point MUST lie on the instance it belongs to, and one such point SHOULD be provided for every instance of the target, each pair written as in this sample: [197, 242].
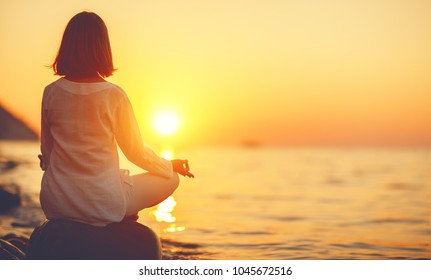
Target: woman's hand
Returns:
[181, 166]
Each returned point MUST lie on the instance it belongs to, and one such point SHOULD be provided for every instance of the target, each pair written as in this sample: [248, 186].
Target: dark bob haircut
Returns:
[85, 50]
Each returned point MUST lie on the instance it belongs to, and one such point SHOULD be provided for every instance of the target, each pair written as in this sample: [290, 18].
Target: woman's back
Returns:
[83, 155]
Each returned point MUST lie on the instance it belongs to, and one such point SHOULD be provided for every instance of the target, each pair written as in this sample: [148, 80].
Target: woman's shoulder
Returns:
[53, 83]
[84, 88]
[50, 88]
[116, 90]
[116, 87]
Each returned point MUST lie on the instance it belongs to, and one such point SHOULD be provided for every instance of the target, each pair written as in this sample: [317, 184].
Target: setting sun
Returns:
[166, 122]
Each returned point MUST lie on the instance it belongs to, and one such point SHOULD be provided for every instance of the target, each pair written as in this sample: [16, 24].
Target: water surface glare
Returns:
[286, 203]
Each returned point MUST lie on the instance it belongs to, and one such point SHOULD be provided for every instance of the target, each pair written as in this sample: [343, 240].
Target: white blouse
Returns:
[81, 126]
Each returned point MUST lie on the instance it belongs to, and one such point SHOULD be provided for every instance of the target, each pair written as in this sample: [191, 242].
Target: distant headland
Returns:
[11, 128]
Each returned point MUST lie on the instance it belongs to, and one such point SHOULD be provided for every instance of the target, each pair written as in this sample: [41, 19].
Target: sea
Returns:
[282, 203]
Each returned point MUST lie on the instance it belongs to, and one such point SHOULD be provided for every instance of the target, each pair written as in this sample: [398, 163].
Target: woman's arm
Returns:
[46, 138]
[127, 134]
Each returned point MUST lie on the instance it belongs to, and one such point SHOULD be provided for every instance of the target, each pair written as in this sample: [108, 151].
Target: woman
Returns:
[84, 118]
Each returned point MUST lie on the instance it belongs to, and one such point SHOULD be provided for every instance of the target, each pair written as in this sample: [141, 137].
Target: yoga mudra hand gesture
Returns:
[182, 167]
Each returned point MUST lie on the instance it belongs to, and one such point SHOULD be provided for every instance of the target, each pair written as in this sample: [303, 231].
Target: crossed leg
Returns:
[149, 190]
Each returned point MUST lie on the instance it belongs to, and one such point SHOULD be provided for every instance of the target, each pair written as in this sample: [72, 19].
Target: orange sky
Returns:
[331, 72]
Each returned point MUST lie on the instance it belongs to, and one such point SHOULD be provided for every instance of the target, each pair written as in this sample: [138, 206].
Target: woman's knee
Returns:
[171, 185]
[175, 180]
[150, 190]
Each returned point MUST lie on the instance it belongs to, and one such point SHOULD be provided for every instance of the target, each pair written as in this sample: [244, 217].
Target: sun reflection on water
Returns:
[174, 228]
[163, 214]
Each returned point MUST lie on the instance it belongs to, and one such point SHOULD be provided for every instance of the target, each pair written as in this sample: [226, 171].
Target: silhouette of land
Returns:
[11, 128]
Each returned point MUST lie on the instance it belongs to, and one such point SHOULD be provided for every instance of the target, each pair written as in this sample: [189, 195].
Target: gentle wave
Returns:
[282, 203]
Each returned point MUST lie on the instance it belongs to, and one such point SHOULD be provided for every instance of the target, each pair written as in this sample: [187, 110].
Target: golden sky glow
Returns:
[335, 72]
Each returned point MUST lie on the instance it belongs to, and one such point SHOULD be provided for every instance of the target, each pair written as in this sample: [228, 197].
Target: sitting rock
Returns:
[9, 196]
[69, 240]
